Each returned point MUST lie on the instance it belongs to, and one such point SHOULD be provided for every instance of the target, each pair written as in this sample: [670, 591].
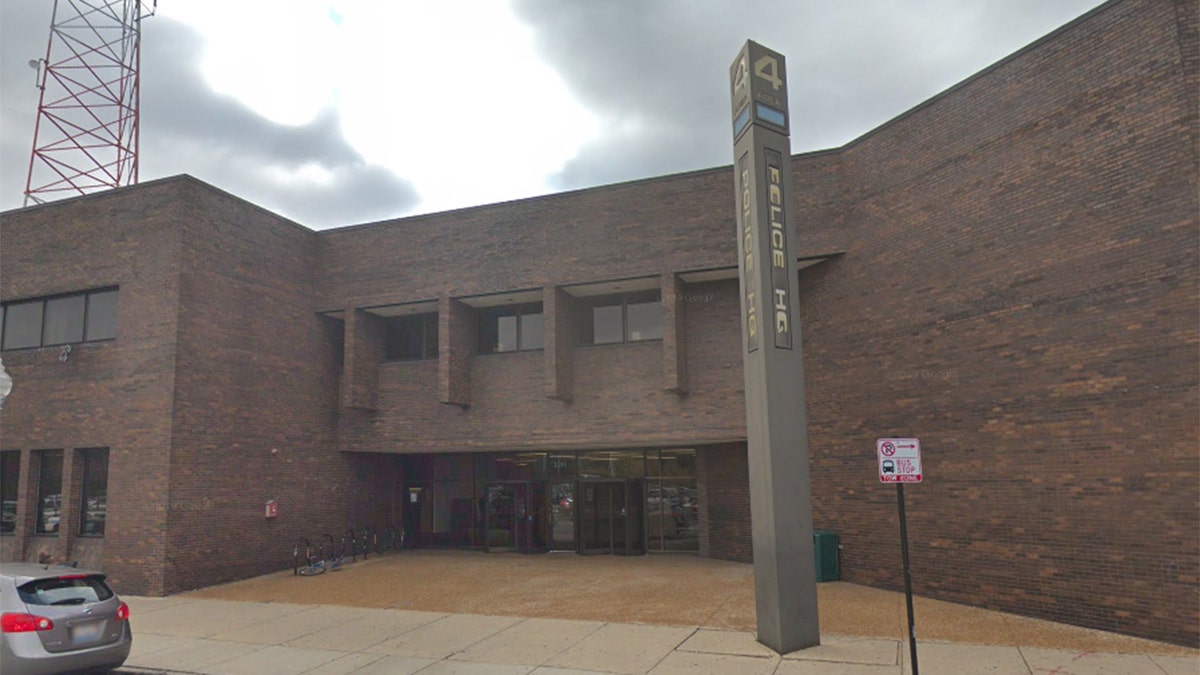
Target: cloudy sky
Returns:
[338, 112]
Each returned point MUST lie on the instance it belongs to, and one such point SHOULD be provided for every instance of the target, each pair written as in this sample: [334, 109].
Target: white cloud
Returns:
[443, 94]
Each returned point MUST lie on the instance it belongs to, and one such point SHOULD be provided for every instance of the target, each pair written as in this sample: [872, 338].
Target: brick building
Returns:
[1008, 271]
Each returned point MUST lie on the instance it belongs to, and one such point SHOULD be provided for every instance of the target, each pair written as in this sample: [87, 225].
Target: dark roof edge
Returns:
[98, 194]
[177, 178]
[564, 194]
[967, 81]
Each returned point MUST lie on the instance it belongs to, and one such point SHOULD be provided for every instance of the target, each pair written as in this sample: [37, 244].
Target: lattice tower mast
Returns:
[86, 134]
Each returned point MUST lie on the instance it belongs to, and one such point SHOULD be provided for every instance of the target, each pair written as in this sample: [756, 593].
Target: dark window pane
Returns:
[612, 464]
[49, 512]
[487, 333]
[586, 332]
[94, 505]
[606, 325]
[678, 463]
[562, 465]
[431, 336]
[516, 466]
[404, 337]
[644, 315]
[23, 325]
[102, 316]
[10, 475]
[64, 320]
[497, 330]
[531, 328]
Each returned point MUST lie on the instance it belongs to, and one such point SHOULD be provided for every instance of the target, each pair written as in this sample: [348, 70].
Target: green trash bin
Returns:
[825, 552]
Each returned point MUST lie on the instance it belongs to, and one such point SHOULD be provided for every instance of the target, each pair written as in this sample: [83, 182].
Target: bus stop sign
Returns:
[899, 460]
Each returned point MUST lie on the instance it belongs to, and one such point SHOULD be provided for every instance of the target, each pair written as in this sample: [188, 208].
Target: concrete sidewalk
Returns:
[219, 637]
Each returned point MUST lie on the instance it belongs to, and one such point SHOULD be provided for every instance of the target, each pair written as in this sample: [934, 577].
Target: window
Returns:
[59, 320]
[672, 501]
[62, 322]
[101, 316]
[74, 589]
[512, 328]
[94, 505]
[412, 337]
[10, 475]
[49, 511]
[23, 325]
[621, 318]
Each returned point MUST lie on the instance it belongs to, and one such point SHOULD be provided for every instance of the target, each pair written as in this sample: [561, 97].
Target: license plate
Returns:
[86, 633]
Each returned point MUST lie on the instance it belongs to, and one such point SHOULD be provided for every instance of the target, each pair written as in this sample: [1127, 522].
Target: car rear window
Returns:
[65, 590]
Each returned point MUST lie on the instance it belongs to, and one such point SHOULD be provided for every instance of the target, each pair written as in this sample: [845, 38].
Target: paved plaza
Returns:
[425, 612]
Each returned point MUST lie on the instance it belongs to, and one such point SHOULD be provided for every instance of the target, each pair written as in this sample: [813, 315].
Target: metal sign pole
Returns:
[912, 631]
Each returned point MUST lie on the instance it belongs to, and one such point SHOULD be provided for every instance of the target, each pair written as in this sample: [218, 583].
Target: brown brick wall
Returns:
[1020, 293]
[256, 397]
[639, 229]
[110, 394]
[723, 481]
[456, 343]
[674, 319]
[364, 340]
[558, 309]
[619, 396]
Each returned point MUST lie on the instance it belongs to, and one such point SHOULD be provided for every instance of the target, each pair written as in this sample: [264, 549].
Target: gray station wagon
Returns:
[59, 619]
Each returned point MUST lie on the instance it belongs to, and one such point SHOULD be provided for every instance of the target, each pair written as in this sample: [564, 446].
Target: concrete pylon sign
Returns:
[785, 587]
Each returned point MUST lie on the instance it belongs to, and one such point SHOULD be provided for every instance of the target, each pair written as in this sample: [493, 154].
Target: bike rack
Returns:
[386, 541]
[391, 539]
[353, 551]
[296, 555]
[315, 566]
[332, 552]
[366, 541]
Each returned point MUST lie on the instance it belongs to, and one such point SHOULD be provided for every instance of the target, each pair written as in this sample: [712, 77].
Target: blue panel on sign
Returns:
[742, 120]
[770, 114]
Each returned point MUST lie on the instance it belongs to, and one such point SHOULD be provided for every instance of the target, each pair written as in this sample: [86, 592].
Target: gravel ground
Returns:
[657, 589]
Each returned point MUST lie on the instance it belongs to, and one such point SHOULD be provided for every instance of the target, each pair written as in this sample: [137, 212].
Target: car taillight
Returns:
[123, 612]
[24, 623]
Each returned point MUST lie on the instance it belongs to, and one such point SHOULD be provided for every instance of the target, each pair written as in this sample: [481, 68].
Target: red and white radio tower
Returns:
[86, 135]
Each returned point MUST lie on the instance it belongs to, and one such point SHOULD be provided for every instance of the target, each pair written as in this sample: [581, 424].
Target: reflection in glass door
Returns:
[501, 517]
[516, 517]
[610, 518]
[562, 516]
[635, 535]
[598, 514]
[531, 517]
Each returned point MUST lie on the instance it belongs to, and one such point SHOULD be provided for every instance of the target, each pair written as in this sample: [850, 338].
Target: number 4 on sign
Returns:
[767, 67]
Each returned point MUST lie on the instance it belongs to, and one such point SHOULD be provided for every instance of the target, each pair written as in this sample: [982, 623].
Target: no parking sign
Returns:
[899, 460]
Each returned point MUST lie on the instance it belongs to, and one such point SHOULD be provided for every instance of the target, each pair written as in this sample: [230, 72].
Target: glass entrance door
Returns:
[501, 517]
[562, 516]
[610, 517]
[531, 520]
[635, 530]
[516, 517]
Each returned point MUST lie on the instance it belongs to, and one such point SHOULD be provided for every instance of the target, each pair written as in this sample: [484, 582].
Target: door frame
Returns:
[529, 517]
[626, 510]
